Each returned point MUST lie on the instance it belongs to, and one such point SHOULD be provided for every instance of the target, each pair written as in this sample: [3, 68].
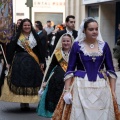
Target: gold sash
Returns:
[60, 59]
[27, 47]
[25, 44]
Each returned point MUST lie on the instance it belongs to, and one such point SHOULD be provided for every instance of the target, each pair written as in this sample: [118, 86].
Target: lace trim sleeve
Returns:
[68, 76]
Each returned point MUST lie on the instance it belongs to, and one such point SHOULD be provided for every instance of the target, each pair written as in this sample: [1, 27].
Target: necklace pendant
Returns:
[93, 58]
[92, 46]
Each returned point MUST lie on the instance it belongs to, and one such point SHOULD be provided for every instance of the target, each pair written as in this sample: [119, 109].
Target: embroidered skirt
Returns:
[92, 100]
[8, 96]
[23, 81]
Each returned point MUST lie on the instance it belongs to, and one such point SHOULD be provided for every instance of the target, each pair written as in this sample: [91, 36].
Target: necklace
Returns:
[65, 53]
[26, 37]
[92, 46]
[65, 56]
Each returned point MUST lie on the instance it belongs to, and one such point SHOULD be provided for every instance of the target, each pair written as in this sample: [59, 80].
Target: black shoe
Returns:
[24, 106]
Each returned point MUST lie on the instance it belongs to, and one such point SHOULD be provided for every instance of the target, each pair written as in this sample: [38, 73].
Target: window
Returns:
[93, 11]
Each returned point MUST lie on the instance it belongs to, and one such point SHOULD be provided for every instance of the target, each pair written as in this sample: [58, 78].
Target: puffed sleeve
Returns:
[41, 51]
[108, 62]
[10, 50]
[72, 61]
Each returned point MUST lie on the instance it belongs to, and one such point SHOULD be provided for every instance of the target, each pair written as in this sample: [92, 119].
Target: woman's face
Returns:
[26, 27]
[18, 23]
[91, 31]
[66, 43]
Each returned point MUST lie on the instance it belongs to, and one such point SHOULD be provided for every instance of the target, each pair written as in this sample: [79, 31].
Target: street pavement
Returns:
[11, 111]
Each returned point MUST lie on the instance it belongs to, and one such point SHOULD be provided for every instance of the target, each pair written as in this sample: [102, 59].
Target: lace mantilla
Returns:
[86, 53]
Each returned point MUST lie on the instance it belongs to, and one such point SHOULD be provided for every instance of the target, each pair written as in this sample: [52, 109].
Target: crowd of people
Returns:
[78, 82]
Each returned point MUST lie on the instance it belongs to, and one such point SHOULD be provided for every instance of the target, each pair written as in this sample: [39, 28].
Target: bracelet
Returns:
[66, 90]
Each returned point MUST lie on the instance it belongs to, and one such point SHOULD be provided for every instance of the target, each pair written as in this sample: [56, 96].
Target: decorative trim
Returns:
[21, 90]
[68, 76]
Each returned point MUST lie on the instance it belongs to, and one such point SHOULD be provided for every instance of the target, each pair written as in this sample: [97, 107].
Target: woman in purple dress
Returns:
[90, 63]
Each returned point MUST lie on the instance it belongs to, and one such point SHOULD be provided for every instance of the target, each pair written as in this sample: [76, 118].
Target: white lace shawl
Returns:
[32, 41]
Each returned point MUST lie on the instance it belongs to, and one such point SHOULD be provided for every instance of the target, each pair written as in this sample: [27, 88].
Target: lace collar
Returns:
[86, 53]
[32, 41]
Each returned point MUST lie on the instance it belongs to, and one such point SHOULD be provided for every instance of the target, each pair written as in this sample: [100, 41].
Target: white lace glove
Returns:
[41, 91]
[67, 98]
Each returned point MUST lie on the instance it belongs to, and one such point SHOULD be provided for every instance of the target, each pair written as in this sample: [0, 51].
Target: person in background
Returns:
[18, 24]
[63, 25]
[25, 64]
[52, 37]
[70, 28]
[118, 32]
[116, 52]
[42, 35]
[54, 88]
[15, 27]
[49, 29]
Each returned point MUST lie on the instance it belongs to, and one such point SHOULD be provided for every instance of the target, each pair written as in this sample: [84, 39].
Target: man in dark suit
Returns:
[42, 35]
[70, 28]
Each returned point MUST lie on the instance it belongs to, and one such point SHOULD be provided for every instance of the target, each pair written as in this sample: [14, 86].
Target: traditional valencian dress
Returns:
[92, 99]
[25, 76]
[54, 89]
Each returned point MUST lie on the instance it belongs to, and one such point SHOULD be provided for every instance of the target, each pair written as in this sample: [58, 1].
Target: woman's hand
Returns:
[40, 92]
[41, 65]
[7, 70]
[8, 67]
[44, 84]
[67, 98]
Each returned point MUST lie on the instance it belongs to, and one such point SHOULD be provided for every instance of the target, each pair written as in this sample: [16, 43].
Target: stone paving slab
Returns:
[11, 111]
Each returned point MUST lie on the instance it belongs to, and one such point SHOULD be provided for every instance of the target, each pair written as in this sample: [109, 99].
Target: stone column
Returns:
[77, 14]
[72, 7]
[67, 7]
[76, 8]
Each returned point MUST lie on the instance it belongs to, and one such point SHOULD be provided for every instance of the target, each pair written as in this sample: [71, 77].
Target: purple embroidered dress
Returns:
[92, 98]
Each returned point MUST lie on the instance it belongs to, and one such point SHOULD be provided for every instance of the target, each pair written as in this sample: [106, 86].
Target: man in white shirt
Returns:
[49, 28]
